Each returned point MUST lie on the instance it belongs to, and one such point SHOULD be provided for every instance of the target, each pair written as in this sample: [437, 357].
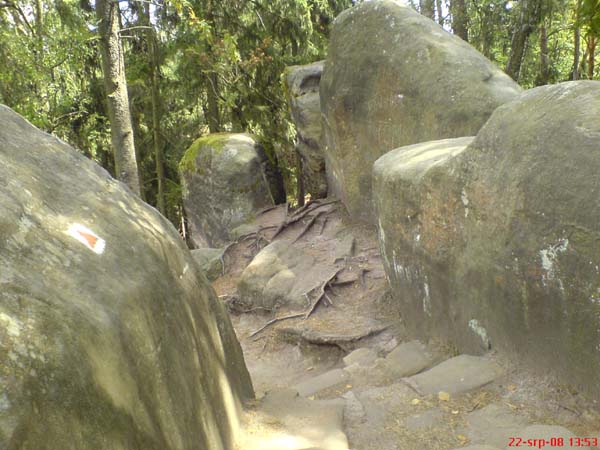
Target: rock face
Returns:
[226, 178]
[428, 85]
[303, 96]
[109, 336]
[497, 244]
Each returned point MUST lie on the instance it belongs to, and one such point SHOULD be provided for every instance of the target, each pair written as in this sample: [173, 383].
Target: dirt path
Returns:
[347, 377]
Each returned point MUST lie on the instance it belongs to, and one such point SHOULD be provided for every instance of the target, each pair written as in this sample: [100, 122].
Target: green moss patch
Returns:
[216, 141]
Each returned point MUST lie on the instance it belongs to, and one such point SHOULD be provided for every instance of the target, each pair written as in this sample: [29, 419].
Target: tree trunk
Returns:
[460, 19]
[299, 179]
[115, 84]
[156, 106]
[591, 44]
[544, 75]
[212, 94]
[576, 51]
[39, 19]
[576, 43]
[529, 17]
[440, 15]
[212, 89]
[427, 8]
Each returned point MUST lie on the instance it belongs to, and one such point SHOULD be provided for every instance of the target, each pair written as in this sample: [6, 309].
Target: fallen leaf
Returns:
[461, 438]
[443, 396]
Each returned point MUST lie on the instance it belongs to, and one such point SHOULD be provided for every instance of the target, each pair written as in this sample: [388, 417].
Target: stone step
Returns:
[494, 425]
[321, 382]
[459, 374]
[408, 359]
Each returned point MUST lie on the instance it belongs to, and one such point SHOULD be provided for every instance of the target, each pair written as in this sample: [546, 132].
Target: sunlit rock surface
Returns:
[496, 243]
[110, 338]
[392, 78]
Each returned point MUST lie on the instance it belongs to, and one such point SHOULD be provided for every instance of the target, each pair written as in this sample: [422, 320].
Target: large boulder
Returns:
[226, 179]
[427, 85]
[110, 337]
[499, 245]
[305, 105]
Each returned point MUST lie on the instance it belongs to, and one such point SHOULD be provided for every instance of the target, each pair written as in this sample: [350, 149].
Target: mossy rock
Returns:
[226, 179]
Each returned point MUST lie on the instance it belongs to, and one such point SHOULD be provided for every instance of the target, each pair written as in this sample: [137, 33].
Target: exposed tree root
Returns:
[310, 309]
[301, 213]
[275, 320]
[308, 225]
[321, 294]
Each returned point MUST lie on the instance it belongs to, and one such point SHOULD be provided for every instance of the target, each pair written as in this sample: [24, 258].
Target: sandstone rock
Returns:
[499, 246]
[459, 374]
[408, 359]
[321, 382]
[226, 179]
[402, 180]
[428, 85]
[109, 336]
[494, 424]
[303, 96]
[279, 276]
[361, 356]
[210, 261]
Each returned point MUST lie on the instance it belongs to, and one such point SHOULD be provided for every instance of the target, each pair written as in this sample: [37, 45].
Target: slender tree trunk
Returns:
[300, 180]
[212, 91]
[156, 104]
[592, 41]
[440, 11]
[529, 16]
[115, 84]
[576, 51]
[39, 18]
[544, 75]
[212, 95]
[460, 19]
[427, 8]
[576, 43]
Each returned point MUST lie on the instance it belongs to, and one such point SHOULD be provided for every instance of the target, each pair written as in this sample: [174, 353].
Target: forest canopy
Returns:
[193, 67]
